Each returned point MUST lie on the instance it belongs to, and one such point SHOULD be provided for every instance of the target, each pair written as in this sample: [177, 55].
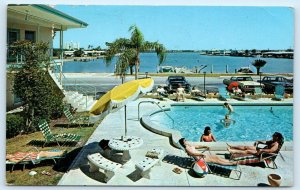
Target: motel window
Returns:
[30, 35]
[13, 35]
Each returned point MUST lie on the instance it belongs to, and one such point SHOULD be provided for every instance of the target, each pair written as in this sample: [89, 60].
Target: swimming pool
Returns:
[252, 122]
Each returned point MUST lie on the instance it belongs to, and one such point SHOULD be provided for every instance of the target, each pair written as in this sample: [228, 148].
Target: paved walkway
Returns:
[113, 125]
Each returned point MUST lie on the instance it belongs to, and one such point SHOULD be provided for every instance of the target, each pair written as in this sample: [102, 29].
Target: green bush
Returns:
[14, 125]
[32, 83]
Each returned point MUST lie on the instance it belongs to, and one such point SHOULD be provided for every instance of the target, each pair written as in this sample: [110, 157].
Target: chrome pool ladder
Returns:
[153, 102]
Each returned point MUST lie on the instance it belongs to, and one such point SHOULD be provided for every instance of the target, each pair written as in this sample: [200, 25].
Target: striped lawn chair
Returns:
[33, 157]
[268, 159]
[232, 172]
[50, 138]
[72, 120]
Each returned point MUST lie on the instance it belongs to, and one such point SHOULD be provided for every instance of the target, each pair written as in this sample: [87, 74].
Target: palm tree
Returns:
[129, 50]
[258, 63]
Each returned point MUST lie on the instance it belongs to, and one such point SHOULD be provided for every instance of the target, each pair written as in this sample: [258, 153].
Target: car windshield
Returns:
[244, 79]
[176, 78]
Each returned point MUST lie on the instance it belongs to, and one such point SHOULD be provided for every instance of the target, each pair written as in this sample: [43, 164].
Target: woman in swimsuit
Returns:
[272, 146]
[191, 151]
[207, 136]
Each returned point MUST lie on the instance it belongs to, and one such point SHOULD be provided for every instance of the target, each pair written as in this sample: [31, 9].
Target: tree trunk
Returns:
[122, 77]
[137, 65]
[257, 70]
[131, 70]
[136, 70]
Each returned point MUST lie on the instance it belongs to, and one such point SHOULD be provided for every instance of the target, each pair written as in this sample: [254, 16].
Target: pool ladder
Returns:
[153, 102]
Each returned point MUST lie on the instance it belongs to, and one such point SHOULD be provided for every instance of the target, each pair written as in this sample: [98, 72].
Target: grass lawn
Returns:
[26, 142]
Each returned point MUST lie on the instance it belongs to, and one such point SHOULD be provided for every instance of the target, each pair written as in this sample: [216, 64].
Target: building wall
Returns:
[42, 34]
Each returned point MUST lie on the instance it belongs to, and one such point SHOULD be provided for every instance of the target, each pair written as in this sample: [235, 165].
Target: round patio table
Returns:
[125, 144]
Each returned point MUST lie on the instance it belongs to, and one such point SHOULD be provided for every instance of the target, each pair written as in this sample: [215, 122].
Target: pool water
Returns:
[251, 122]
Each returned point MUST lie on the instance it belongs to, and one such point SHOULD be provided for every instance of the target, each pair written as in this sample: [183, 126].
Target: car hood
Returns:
[250, 83]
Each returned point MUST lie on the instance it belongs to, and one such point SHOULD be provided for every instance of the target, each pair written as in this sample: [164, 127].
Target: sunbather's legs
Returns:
[237, 151]
[218, 160]
[242, 147]
[50, 153]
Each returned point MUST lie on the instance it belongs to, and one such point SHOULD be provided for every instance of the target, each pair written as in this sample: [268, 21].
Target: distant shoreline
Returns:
[181, 74]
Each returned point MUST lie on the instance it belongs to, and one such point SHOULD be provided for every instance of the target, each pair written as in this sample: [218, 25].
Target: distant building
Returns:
[71, 45]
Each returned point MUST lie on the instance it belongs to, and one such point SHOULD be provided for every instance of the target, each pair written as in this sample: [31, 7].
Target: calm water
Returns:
[149, 63]
[252, 122]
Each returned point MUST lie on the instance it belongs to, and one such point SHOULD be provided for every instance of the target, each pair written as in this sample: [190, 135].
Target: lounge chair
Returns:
[33, 157]
[279, 92]
[268, 159]
[233, 172]
[257, 93]
[75, 120]
[223, 94]
[49, 137]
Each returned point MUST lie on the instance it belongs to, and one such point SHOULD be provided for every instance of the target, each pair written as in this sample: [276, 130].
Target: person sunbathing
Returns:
[19, 156]
[191, 151]
[272, 146]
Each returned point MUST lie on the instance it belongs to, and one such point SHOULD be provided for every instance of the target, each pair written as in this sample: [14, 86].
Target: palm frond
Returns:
[137, 37]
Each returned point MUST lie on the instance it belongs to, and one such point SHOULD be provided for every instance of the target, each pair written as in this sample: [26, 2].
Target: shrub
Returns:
[14, 125]
[33, 84]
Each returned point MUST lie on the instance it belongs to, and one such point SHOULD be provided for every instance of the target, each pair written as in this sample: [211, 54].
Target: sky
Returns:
[185, 27]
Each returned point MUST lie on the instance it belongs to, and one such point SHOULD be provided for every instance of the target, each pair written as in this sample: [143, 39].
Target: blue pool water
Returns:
[252, 122]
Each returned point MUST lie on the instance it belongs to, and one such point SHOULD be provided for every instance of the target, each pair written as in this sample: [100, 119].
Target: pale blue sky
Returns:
[185, 27]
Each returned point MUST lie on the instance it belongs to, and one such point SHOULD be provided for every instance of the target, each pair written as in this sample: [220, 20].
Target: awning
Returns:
[43, 15]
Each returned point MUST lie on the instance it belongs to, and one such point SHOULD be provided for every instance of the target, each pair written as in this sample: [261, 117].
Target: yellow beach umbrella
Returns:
[122, 94]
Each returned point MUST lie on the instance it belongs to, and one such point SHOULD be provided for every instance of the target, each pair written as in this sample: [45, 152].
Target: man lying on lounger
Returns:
[191, 151]
[272, 146]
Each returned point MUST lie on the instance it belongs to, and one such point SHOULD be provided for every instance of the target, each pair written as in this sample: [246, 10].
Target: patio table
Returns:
[125, 144]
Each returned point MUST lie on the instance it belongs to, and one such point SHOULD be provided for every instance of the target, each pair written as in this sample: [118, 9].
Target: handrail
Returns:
[153, 102]
[78, 88]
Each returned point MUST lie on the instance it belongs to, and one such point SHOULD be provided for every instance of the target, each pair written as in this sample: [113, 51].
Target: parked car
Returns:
[271, 81]
[174, 81]
[245, 83]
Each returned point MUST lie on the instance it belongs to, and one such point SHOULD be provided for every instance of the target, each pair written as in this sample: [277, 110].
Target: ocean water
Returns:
[149, 63]
[251, 122]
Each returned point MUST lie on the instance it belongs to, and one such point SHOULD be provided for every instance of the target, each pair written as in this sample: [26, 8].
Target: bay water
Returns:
[190, 60]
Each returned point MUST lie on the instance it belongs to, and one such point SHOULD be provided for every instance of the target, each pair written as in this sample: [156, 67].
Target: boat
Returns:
[166, 69]
[182, 70]
[244, 70]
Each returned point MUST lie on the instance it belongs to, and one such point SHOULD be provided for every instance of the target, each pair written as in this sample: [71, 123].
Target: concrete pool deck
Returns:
[113, 125]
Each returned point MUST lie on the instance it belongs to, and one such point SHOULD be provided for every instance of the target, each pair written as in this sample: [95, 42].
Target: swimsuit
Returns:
[207, 138]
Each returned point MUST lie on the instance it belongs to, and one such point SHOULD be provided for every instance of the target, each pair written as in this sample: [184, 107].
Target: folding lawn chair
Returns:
[49, 137]
[279, 92]
[72, 120]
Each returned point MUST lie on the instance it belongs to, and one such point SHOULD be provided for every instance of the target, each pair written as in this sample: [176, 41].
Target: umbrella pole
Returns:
[125, 122]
